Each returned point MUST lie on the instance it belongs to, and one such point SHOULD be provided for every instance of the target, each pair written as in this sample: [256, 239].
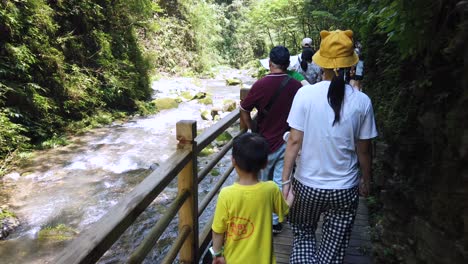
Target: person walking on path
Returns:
[307, 67]
[242, 221]
[333, 124]
[357, 71]
[272, 96]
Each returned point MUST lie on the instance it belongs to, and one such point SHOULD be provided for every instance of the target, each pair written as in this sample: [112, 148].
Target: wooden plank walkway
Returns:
[359, 249]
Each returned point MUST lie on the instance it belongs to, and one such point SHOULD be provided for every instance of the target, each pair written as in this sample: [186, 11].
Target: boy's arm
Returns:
[280, 205]
[218, 240]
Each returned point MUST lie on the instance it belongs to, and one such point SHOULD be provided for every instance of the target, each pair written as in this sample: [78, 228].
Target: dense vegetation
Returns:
[64, 63]
[71, 65]
[416, 74]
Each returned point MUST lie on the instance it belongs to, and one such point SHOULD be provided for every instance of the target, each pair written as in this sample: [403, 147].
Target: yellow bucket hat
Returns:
[336, 50]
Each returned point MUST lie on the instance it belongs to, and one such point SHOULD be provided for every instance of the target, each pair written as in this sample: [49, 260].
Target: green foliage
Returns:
[65, 61]
[146, 108]
[11, 134]
[54, 142]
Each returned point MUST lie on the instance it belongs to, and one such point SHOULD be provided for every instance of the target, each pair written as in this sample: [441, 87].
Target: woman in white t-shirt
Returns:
[333, 124]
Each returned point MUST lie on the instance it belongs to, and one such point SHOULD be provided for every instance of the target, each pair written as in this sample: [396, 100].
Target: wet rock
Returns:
[154, 166]
[57, 233]
[206, 101]
[165, 103]
[8, 222]
[229, 105]
[233, 81]
[206, 115]
[186, 95]
[223, 138]
[199, 95]
[215, 112]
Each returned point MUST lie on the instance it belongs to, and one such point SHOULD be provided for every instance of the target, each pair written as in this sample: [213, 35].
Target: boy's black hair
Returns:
[250, 151]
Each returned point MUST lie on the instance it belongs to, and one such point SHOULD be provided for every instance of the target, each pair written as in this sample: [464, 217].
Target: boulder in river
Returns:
[205, 115]
[233, 81]
[229, 105]
[57, 233]
[8, 222]
[206, 101]
[165, 103]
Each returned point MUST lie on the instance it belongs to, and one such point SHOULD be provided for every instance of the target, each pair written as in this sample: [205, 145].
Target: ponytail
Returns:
[336, 92]
[303, 63]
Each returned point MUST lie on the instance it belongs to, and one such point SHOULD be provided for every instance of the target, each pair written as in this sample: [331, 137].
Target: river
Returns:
[75, 185]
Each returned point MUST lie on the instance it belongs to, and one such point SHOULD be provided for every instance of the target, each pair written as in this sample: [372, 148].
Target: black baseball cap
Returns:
[279, 55]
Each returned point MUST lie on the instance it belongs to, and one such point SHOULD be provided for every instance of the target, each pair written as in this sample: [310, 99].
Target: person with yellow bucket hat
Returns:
[333, 125]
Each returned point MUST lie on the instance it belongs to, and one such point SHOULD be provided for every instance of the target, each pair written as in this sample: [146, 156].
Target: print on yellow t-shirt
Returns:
[240, 228]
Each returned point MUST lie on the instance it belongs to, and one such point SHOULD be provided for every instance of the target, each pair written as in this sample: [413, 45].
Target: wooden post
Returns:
[243, 94]
[186, 131]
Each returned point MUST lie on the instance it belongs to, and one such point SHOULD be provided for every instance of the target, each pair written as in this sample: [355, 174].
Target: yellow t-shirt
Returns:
[244, 213]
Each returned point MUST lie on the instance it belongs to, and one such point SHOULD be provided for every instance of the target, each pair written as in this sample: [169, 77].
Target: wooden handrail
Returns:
[214, 191]
[205, 236]
[186, 131]
[91, 244]
[172, 254]
[150, 240]
[214, 161]
[217, 129]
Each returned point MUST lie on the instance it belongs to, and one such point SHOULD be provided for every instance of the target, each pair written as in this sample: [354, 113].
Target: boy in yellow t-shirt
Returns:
[242, 225]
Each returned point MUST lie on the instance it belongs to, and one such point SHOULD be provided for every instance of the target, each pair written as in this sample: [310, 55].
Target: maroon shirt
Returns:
[272, 126]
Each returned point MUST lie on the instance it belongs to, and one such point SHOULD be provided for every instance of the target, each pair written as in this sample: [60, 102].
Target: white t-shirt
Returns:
[328, 158]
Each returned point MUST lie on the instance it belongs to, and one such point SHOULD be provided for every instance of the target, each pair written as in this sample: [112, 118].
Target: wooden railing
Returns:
[91, 244]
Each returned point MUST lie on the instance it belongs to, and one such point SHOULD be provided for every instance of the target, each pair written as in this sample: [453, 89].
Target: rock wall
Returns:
[421, 163]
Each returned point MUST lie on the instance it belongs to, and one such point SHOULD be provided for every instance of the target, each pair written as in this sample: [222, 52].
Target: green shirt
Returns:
[295, 75]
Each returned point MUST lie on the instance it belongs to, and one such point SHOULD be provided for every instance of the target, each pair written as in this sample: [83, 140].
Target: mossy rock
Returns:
[233, 81]
[165, 103]
[206, 115]
[215, 172]
[57, 233]
[199, 95]
[224, 137]
[8, 222]
[186, 95]
[207, 151]
[206, 101]
[229, 105]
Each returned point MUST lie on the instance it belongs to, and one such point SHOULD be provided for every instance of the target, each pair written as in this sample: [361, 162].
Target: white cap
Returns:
[306, 42]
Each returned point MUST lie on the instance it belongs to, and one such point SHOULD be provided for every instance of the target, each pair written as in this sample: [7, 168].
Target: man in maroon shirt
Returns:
[272, 125]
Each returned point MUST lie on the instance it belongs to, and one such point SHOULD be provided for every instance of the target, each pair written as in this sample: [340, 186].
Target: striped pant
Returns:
[339, 210]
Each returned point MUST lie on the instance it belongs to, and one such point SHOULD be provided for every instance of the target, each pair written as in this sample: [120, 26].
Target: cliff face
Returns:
[421, 163]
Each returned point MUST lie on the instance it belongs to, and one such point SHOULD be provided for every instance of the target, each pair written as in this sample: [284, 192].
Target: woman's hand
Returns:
[288, 194]
[219, 260]
[364, 187]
